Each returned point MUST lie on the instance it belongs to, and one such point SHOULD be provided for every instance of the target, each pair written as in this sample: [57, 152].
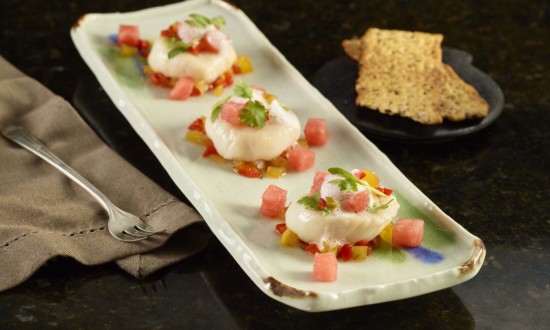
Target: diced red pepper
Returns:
[345, 252]
[362, 242]
[312, 248]
[280, 228]
[159, 79]
[386, 191]
[210, 150]
[170, 32]
[206, 46]
[249, 170]
[197, 125]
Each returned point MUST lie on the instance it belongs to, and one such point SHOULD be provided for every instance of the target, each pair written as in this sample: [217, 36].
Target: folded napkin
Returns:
[44, 214]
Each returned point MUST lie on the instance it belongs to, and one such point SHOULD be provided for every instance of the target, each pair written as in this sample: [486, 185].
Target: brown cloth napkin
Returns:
[44, 214]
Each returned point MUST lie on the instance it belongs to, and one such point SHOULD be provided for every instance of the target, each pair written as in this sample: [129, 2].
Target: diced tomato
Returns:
[312, 248]
[197, 125]
[249, 170]
[231, 112]
[325, 267]
[206, 45]
[362, 242]
[158, 79]
[170, 32]
[183, 88]
[228, 78]
[195, 48]
[345, 252]
[356, 202]
[318, 181]
[273, 201]
[236, 69]
[210, 150]
[408, 232]
[128, 35]
[386, 191]
[301, 158]
[280, 228]
[316, 132]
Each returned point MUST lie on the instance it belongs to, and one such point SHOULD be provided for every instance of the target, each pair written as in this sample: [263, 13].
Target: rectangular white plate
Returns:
[229, 203]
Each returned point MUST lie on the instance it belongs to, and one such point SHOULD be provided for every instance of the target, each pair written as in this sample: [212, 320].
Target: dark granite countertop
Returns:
[495, 183]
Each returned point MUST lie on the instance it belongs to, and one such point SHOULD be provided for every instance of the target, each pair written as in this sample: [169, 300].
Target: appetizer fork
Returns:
[122, 225]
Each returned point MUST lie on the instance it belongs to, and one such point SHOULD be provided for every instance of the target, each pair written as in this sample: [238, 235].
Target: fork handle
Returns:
[30, 142]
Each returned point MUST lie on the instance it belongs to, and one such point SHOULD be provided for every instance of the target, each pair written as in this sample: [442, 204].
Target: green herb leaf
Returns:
[198, 20]
[202, 22]
[242, 89]
[311, 201]
[254, 114]
[218, 21]
[217, 109]
[349, 182]
[379, 206]
[175, 51]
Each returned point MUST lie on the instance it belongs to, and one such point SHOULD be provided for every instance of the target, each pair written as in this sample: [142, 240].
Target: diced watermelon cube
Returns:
[356, 202]
[231, 112]
[318, 181]
[325, 267]
[316, 132]
[128, 35]
[301, 158]
[273, 201]
[408, 232]
[182, 89]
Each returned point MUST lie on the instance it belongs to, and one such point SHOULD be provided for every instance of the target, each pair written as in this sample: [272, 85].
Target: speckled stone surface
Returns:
[495, 183]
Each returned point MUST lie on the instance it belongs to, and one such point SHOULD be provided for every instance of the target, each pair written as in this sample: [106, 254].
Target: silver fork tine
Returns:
[122, 225]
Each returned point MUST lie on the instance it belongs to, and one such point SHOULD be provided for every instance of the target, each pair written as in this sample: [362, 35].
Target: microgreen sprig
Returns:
[313, 202]
[254, 114]
[379, 206]
[201, 21]
[350, 181]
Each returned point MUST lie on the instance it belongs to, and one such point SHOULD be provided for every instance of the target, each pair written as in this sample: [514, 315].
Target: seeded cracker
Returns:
[459, 100]
[400, 74]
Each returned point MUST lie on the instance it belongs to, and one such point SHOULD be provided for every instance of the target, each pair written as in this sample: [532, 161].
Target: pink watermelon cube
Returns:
[273, 201]
[318, 181]
[408, 232]
[300, 158]
[325, 267]
[128, 35]
[231, 112]
[182, 89]
[356, 202]
[316, 132]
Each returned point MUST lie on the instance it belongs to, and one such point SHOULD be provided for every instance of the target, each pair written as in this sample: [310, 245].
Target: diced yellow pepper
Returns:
[218, 90]
[147, 69]
[201, 86]
[269, 97]
[302, 142]
[244, 63]
[359, 253]
[289, 238]
[386, 233]
[371, 178]
[197, 137]
[275, 172]
[127, 51]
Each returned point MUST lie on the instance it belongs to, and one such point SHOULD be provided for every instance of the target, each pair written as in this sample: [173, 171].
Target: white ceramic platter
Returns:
[230, 203]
